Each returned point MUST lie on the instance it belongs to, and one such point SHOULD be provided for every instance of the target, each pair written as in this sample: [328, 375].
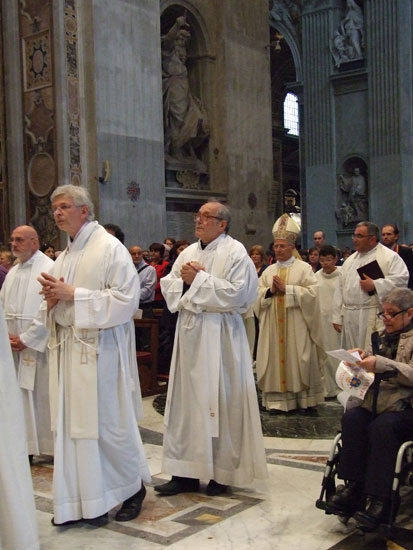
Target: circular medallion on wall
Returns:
[41, 174]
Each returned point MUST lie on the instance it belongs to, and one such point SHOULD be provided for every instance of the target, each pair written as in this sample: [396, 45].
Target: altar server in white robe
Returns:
[18, 526]
[355, 310]
[28, 336]
[288, 358]
[212, 424]
[327, 278]
[95, 399]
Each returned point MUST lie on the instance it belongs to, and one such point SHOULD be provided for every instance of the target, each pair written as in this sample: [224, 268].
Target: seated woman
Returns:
[370, 443]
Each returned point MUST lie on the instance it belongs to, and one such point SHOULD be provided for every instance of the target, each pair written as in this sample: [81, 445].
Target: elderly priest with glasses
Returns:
[92, 294]
[213, 431]
[365, 278]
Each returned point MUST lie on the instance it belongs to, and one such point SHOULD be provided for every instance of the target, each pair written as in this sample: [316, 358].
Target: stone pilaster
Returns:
[319, 139]
[389, 51]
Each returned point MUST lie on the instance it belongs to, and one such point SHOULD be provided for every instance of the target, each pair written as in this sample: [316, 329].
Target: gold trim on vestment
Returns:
[281, 328]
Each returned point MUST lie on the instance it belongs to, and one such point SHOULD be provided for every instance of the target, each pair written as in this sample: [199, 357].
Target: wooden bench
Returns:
[148, 359]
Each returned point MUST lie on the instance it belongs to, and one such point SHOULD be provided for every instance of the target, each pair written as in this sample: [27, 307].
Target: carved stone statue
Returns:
[355, 188]
[286, 12]
[185, 120]
[347, 43]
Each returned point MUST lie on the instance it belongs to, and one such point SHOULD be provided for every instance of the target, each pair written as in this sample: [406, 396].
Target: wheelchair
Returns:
[403, 476]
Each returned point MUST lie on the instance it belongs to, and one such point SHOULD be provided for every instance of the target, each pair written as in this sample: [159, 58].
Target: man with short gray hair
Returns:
[91, 296]
[357, 299]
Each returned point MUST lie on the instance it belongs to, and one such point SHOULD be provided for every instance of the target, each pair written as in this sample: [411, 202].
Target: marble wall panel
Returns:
[4, 234]
[129, 123]
[247, 127]
[130, 198]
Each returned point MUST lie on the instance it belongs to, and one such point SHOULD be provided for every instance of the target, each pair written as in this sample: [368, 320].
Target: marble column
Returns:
[389, 51]
[319, 139]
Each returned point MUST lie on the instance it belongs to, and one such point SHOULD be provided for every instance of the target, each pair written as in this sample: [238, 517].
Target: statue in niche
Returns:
[345, 214]
[290, 206]
[354, 188]
[347, 43]
[185, 120]
[287, 12]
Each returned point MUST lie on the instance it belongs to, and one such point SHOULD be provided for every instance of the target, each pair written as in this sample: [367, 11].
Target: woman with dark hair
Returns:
[314, 258]
[49, 250]
[157, 251]
[176, 249]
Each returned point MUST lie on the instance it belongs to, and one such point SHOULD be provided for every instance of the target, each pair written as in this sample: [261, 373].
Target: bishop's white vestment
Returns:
[354, 309]
[94, 387]
[21, 301]
[18, 525]
[330, 338]
[288, 361]
[212, 421]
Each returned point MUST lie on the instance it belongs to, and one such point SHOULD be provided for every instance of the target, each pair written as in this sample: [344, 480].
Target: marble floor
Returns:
[277, 515]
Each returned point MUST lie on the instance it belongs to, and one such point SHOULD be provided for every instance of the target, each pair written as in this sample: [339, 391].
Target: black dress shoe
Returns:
[214, 489]
[178, 485]
[276, 412]
[376, 512]
[99, 521]
[132, 506]
[64, 523]
[347, 499]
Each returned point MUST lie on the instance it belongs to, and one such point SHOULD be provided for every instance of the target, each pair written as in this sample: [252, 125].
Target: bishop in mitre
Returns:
[287, 357]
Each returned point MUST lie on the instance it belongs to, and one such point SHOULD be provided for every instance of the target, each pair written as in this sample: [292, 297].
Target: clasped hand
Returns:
[189, 271]
[54, 289]
[278, 285]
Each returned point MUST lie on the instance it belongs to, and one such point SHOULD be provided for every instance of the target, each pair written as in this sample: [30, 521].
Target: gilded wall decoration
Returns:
[3, 174]
[39, 113]
[37, 64]
[72, 78]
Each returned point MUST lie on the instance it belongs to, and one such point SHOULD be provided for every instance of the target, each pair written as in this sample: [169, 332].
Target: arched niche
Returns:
[198, 50]
[352, 192]
[184, 173]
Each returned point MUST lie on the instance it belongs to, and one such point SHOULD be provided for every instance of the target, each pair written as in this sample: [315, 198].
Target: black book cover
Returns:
[372, 270]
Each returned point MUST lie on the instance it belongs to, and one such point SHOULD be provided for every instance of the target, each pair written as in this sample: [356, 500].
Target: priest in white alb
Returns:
[92, 295]
[358, 300]
[212, 424]
[18, 525]
[28, 336]
[288, 358]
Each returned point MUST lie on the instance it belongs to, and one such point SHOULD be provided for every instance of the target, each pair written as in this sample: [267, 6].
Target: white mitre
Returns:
[286, 228]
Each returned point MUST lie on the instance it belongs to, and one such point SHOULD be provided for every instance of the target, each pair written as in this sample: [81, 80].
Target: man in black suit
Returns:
[389, 237]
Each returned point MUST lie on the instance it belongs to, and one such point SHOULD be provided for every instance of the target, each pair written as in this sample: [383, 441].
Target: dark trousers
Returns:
[370, 447]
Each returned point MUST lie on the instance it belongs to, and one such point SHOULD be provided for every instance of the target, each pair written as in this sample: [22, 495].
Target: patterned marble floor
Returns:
[278, 515]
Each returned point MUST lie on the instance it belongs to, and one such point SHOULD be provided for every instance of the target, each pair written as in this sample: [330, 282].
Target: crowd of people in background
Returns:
[295, 305]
